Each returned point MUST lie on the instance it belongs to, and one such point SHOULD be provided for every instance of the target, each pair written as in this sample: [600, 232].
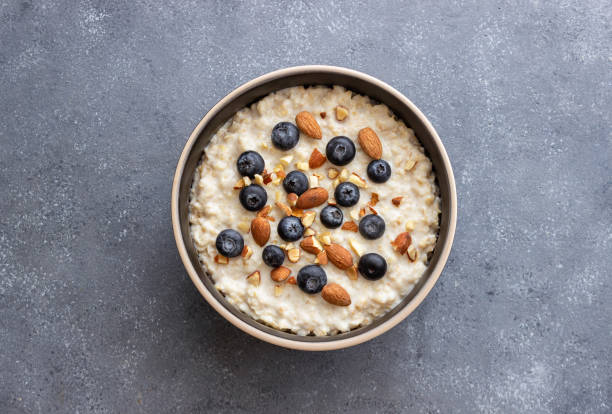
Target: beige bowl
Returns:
[251, 92]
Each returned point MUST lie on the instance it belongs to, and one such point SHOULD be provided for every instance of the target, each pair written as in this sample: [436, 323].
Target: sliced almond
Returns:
[280, 274]
[350, 226]
[254, 278]
[397, 201]
[356, 247]
[303, 166]
[335, 294]
[332, 173]
[221, 259]
[292, 199]
[260, 230]
[308, 218]
[412, 253]
[351, 272]
[357, 180]
[312, 198]
[292, 280]
[321, 258]
[341, 112]
[308, 125]
[370, 143]
[311, 245]
[339, 256]
[401, 242]
[283, 207]
[293, 255]
[316, 159]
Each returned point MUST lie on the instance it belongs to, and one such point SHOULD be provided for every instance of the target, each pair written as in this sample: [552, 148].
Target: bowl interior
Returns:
[365, 86]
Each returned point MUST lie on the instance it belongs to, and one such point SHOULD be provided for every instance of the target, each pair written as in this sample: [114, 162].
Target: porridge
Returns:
[314, 210]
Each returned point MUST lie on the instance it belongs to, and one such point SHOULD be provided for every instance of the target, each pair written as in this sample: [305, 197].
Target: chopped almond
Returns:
[350, 226]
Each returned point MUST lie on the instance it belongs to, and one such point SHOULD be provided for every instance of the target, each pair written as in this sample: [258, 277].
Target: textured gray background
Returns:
[96, 102]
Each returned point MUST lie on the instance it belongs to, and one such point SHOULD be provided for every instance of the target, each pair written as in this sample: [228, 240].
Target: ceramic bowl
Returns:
[251, 92]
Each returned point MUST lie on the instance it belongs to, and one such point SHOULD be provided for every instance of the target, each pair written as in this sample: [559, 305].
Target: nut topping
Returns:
[370, 143]
[308, 125]
[311, 245]
[341, 112]
[335, 294]
[260, 229]
[284, 208]
[397, 201]
[316, 159]
[350, 226]
[401, 242]
[254, 278]
[312, 198]
[293, 255]
[339, 256]
[280, 274]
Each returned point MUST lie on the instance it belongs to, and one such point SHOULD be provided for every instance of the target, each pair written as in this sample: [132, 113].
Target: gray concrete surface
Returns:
[96, 311]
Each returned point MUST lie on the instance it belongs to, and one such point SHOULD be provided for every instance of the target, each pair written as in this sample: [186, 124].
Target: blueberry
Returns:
[290, 228]
[250, 163]
[347, 194]
[379, 171]
[372, 266]
[340, 150]
[295, 182]
[372, 226]
[273, 256]
[331, 217]
[229, 243]
[311, 278]
[253, 197]
[285, 135]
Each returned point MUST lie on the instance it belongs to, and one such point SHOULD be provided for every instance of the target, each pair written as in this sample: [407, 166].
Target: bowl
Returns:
[251, 92]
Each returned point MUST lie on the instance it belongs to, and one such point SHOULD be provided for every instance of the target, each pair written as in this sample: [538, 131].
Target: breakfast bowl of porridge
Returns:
[314, 207]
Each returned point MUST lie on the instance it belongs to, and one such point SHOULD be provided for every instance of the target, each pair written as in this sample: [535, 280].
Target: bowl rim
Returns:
[277, 340]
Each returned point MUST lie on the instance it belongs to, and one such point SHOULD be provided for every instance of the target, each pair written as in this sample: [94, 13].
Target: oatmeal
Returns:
[314, 210]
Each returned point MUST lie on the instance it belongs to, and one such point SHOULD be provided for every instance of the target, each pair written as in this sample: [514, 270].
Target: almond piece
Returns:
[284, 207]
[309, 232]
[314, 181]
[297, 212]
[308, 218]
[357, 180]
[351, 272]
[258, 179]
[312, 198]
[339, 256]
[308, 125]
[350, 226]
[292, 280]
[264, 211]
[221, 259]
[332, 173]
[303, 166]
[321, 258]
[373, 210]
[285, 161]
[278, 289]
[335, 294]
[322, 115]
[260, 229]
[247, 252]
[370, 143]
[239, 184]
[325, 238]
[374, 199]
[397, 201]
[316, 159]
[254, 278]
[311, 245]
[280, 274]
[357, 248]
[361, 212]
[401, 242]
[292, 199]
[293, 255]
[412, 253]
[247, 181]
[341, 112]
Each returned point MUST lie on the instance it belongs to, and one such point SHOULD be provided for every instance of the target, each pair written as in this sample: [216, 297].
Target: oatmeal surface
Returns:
[214, 206]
